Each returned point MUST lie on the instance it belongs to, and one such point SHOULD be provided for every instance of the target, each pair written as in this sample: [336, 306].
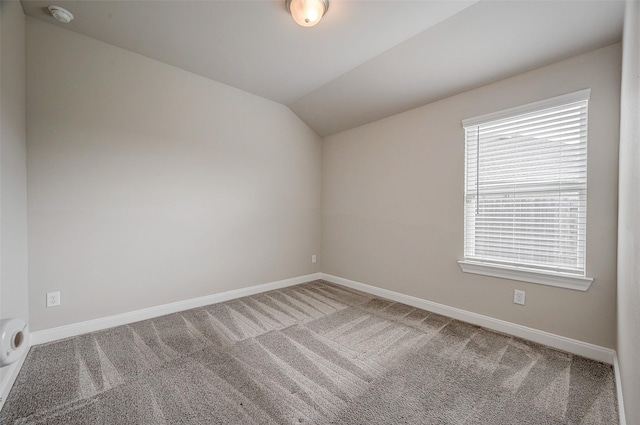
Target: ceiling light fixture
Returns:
[307, 12]
[62, 15]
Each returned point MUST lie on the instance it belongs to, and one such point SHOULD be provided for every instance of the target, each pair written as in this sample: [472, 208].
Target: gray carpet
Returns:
[315, 353]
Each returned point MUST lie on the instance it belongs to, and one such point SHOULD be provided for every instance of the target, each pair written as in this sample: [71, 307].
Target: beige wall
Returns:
[393, 203]
[149, 184]
[13, 166]
[629, 219]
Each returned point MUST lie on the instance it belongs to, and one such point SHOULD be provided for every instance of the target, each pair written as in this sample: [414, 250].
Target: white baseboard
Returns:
[11, 373]
[616, 370]
[584, 349]
[53, 334]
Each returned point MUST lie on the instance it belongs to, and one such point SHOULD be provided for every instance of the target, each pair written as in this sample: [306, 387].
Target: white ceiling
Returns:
[364, 61]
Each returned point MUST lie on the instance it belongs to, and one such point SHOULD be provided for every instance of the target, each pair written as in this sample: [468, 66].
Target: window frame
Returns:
[516, 272]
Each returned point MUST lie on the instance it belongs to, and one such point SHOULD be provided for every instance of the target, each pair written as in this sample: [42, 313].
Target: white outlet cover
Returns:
[314, 258]
[53, 299]
[519, 296]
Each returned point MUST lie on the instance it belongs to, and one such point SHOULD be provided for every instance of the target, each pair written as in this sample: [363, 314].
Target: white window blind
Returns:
[526, 186]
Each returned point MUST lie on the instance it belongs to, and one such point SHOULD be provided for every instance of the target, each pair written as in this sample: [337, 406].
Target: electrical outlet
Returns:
[518, 296]
[314, 258]
[53, 299]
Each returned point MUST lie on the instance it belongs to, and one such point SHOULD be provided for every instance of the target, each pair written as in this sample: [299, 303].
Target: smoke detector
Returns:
[61, 14]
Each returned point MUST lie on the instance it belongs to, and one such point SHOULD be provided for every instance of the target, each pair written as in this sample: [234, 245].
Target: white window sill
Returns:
[560, 280]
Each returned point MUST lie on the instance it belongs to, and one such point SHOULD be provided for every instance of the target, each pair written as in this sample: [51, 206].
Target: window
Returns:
[525, 211]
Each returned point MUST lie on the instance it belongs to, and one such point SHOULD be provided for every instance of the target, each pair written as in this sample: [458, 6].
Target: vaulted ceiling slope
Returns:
[364, 61]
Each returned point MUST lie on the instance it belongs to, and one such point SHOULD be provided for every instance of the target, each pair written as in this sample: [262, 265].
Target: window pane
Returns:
[526, 190]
